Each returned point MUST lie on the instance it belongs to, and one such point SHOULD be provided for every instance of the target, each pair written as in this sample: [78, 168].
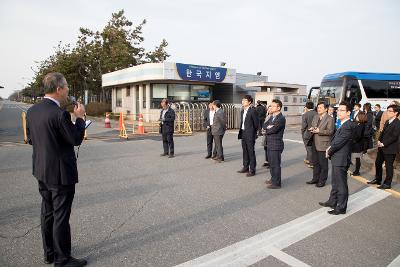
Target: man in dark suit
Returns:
[340, 154]
[249, 124]
[208, 121]
[274, 129]
[53, 136]
[262, 114]
[387, 148]
[377, 117]
[167, 118]
[322, 129]
[306, 120]
[218, 129]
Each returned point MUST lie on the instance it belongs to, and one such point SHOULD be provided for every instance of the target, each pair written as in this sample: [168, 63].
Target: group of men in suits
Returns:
[388, 148]
[53, 136]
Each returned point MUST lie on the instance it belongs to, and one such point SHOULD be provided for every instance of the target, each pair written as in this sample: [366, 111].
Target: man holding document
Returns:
[53, 137]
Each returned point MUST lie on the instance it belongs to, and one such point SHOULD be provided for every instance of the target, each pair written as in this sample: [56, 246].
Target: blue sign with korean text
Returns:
[190, 72]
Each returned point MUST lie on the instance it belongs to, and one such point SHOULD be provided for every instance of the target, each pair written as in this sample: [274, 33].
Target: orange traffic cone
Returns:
[141, 125]
[107, 123]
[120, 121]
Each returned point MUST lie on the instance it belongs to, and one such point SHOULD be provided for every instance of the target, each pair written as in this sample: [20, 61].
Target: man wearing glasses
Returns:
[339, 152]
[387, 148]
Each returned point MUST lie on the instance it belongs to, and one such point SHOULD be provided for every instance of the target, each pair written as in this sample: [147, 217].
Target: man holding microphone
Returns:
[53, 137]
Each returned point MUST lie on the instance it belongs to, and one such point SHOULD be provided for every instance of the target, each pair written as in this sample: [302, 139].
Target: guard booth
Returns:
[293, 97]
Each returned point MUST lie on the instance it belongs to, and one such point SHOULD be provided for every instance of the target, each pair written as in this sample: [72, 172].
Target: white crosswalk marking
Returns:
[256, 248]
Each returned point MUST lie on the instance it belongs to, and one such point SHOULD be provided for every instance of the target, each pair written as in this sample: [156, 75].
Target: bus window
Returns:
[394, 89]
[375, 89]
[331, 91]
[353, 92]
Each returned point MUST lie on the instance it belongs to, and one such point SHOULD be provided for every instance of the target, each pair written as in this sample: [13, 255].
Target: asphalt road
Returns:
[135, 208]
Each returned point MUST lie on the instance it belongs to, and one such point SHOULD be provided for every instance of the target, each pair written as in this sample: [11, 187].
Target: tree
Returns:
[117, 46]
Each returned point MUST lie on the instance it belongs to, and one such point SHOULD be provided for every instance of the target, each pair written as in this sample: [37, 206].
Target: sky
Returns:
[289, 41]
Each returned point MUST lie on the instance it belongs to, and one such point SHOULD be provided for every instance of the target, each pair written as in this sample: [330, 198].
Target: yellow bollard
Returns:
[24, 126]
[122, 131]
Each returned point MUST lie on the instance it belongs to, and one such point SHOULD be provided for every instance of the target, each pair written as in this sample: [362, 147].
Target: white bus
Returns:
[358, 87]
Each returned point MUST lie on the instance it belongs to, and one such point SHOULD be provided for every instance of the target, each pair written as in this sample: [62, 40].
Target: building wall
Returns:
[240, 89]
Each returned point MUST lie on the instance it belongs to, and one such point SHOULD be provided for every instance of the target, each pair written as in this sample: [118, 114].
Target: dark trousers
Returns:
[261, 125]
[210, 139]
[320, 163]
[274, 160]
[55, 213]
[168, 143]
[266, 153]
[218, 146]
[389, 160]
[340, 191]
[309, 153]
[249, 155]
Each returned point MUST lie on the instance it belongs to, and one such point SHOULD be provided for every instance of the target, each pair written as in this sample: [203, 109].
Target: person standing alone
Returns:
[322, 129]
[167, 118]
[306, 120]
[274, 129]
[53, 136]
[218, 130]
[248, 134]
[339, 152]
[208, 122]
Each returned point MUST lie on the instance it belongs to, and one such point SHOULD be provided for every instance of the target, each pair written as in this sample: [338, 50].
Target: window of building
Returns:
[200, 92]
[118, 98]
[179, 92]
[294, 99]
[285, 98]
[158, 92]
[277, 97]
[285, 108]
[128, 91]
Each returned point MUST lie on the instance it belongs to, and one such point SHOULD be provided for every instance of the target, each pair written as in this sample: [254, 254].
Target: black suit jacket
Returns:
[274, 135]
[53, 137]
[167, 125]
[341, 143]
[251, 125]
[390, 136]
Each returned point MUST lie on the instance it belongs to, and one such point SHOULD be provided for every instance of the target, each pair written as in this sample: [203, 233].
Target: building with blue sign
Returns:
[140, 89]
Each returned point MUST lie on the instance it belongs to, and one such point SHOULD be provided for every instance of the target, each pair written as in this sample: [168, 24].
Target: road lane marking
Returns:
[260, 246]
[395, 262]
[286, 258]
[364, 181]
[294, 141]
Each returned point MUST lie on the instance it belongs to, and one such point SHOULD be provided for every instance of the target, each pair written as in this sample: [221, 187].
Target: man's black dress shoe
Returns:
[266, 164]
[48, 261]
[355, 174]
[272, 186]
[336, 212]
[249, 174]
[75, 263]
[384, 186]
[244, 170]
[312, 182]
[171, 156]
[163, 154]
[374, 182]
[320, 185]
[327, 204]
[207, 157]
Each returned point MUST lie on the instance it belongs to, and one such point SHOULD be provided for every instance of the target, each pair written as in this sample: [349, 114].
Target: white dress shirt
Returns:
[212, 112]
[244, 117]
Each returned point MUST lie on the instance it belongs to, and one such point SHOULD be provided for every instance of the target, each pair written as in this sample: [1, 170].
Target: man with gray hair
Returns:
[53, 137]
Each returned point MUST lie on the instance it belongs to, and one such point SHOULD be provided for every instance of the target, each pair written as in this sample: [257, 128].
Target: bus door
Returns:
[352, 92]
